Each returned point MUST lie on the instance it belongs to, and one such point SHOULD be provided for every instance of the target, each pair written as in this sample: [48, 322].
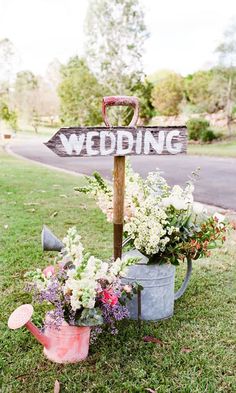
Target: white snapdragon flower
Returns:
[198, 208]
[178, 198]
[75, 302]
[115, 269]
[179, 203]
[73, 250]
[102, 271]
[90, 269]
[82, 291]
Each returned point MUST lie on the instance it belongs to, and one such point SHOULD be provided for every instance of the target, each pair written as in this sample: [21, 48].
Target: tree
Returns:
[199, 92]
[8, 59]
[25, 94]
[116, 33]
[227, 59]
[168, 94]
[53, 73]
[143, 90]
[8, 116]
[80, 94]
[35, 98]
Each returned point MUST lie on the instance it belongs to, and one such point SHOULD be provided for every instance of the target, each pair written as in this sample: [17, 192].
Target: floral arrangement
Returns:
[83, 290]
[161, 222]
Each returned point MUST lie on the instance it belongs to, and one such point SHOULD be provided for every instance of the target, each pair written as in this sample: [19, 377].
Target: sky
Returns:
[183, 33]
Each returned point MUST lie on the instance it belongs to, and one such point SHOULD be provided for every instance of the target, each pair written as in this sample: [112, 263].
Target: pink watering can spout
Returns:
[21, 317]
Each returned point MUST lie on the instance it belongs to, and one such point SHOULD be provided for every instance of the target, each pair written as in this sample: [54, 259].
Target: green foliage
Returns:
[143, 90]
[197, 90]
[198, 130]
[116, 33]
[80, 94]
[25, 81]
[208, 90]
[90, 317]
[8, 116]
[208, 136]
[4, 112]
[159, 75]
[196, 127]
[168, 94]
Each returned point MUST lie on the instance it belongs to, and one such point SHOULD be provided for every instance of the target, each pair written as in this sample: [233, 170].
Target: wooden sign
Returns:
[118, 141]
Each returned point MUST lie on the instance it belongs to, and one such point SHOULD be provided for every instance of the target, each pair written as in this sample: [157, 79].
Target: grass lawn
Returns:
[220, 149]
[198, 342]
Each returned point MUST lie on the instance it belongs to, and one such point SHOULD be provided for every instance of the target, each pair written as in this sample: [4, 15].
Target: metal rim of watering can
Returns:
[120, 101]
[184, 286]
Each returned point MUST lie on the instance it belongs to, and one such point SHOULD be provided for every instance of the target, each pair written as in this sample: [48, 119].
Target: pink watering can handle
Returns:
[120, 101]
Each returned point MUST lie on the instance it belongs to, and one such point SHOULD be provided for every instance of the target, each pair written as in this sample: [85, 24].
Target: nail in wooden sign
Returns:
[118, 141]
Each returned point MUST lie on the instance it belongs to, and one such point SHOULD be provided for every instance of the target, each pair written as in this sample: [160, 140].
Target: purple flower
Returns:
[95, 331]
[111, 314]
[54, 318]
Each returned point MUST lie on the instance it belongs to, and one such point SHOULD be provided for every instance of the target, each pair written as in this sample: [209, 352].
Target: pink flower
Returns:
[49, 271]
[109, 297]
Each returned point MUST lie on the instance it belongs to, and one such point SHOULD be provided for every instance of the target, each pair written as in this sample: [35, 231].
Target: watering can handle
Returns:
[183, 287]
[120, 101]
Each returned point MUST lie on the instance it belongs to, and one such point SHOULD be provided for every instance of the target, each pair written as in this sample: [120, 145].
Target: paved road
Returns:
[216, 186]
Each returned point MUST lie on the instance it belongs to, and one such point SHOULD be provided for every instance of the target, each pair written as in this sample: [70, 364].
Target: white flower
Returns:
[73, 250]
[219, 217]
[179, 203]
[198, 208]
[177, 190]
[75, 303]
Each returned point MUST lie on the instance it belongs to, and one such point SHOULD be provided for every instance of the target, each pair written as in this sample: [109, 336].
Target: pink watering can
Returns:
[69, 344]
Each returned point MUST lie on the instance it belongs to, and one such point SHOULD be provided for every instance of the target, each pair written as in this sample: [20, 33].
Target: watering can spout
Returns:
[49, 241]
[21, 317]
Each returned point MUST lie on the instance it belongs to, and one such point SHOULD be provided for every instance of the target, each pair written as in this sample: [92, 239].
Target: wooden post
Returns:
[118, 204]
[119, 171]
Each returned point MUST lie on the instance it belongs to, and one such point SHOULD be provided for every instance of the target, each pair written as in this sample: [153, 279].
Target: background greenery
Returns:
[116, 34]
[197, 351]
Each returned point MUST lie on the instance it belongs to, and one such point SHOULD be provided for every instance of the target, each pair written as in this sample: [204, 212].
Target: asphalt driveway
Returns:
[216, 185]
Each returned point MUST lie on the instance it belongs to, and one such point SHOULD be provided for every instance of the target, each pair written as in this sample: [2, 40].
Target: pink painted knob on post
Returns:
[120, 101]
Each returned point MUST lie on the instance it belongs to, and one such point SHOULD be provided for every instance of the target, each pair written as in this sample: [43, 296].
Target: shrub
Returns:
[196, 127]
[8, 116]
[219, 135]
[167, 94]
[208, 136]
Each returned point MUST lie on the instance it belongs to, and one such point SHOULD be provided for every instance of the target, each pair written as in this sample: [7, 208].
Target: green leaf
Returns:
[90, 317]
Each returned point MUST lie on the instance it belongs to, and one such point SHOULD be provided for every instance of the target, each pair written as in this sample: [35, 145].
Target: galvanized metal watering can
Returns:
[69, 344]
[156, 300]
